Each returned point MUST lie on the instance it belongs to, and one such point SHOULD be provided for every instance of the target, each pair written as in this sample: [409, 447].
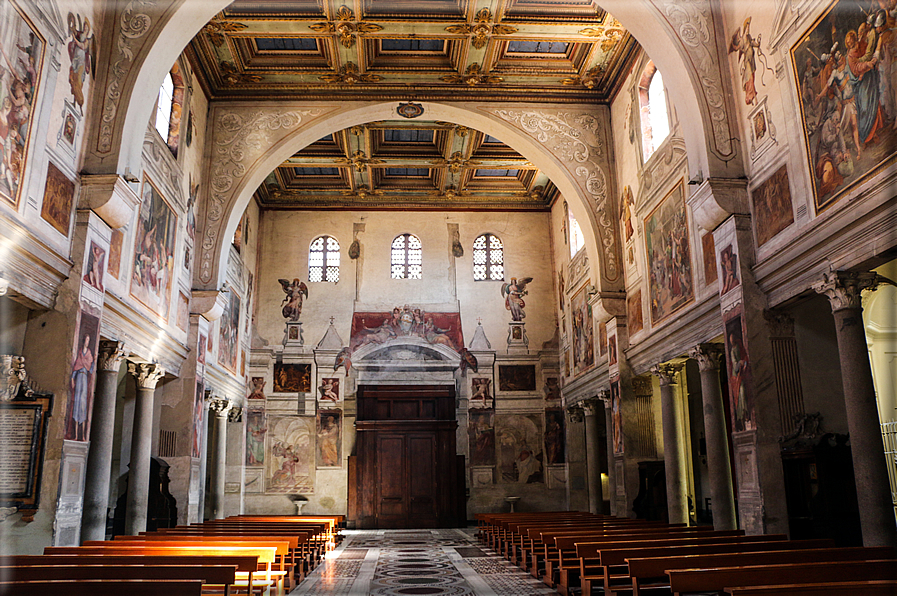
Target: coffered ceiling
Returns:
[560, 51]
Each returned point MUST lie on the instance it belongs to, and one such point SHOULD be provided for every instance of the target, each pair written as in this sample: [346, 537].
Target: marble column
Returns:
[147, 374]
[673, 455]
[604, 396]
[591, 408]
[718, 463]
[102, 427]
[220, 408]
[844, 291]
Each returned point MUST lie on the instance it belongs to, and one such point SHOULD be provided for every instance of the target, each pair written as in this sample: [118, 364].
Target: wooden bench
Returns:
[860, 588]
[121, 587]
[218, 576]
[685, 581]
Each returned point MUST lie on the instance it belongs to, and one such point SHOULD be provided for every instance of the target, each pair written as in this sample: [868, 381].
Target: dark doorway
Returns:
[406, 462]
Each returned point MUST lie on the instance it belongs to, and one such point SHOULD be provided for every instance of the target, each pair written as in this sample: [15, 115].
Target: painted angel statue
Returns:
[513, 293]
[292, 302]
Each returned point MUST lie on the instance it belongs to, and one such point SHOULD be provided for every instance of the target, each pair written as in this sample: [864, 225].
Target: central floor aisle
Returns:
[406, 562]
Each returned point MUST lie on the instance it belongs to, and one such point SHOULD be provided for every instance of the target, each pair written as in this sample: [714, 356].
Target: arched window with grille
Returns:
[407, 257]
[655, 118]
[488, 258]
[323, 259]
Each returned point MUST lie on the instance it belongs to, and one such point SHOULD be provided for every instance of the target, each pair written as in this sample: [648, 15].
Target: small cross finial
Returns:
[479, 320]
[331, 320]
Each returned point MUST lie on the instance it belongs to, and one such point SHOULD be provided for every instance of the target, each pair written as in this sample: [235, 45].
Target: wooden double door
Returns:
[406, 466]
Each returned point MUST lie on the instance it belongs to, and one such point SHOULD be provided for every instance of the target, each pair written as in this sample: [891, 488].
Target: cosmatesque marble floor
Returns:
[417, 562]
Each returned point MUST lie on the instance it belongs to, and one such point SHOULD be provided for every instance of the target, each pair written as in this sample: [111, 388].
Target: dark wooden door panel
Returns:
[391, 476]
[423, 485]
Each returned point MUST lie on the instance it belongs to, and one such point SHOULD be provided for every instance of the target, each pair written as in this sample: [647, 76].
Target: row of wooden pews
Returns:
[252, 555]
[582, 553]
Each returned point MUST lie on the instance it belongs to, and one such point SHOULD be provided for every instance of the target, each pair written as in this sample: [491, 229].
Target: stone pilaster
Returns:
[673, 451]
[844, 291]
[787, 367]
[716, 436]
[147, 375]
[102, 426]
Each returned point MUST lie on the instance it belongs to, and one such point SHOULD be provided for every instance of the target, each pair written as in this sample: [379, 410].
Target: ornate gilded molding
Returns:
[707, 355]
[133, 24]
[234, 76]
[110, 355]
[692, 22]
[455, 162]
[589, 80]
[577, 140]
[147, 374]
[607, 37]
[240, 139]
[346, 27]
[358, 160]
[481, 29]
[349, 74]
[216, 28]
[472, 77]
[844, 289]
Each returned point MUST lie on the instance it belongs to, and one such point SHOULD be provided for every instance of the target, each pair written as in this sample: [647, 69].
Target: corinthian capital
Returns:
[666, 373]
[707, 355]
[147, 374]
[844, 288]
[221, 406]
[110, 355]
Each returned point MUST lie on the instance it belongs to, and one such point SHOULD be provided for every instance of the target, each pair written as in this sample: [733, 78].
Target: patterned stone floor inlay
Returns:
[417, 562]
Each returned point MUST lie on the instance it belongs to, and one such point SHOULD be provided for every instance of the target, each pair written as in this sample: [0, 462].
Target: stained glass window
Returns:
[488, 258]
[323, 259]
[407, 257]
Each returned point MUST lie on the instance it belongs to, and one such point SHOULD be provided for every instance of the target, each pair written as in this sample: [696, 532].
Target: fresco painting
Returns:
[59, 196]
[154, 251]
[480, 393]
[616, 417]
[516, 377]
[670, 284]
[708, 250]
[198, 410]
[481, 435]
[554, 437]
[772, 206]
[739, 371]
[229, 333]
[290, 445]
[329, 439]
[113, 263]
[583, 336]
[84, 369]
[634, 312]
[256, 428]
[292, 378]
[519, 440]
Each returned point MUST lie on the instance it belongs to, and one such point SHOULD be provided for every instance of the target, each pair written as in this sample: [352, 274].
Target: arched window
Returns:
[655, 118]
[163, 106]
[488, 258]
[407, 257]
[323, 259]
[577, 241]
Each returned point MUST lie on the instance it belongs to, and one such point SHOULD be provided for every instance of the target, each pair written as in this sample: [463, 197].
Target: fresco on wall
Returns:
[198, 409]
[519, 447]
[256, 388]
[612, 350]
[292, 378]
[634, 312]
[616, 417]
[739, 371]
[201, 348]
[481, 435]
[749, 55]
[554, 437]
[328, 390]
[552, 389]
[23, 51]
[669, 256]
[95, 266]
[82, 54]
[728, 261]
[561, 289]
[292, 303]
[516, 377]
[256, 428]
[602, 339]
[183, 316]
[229, 333]
[113, 264]
[84, 368]
[513, 293]
[438, 328]
[708, 250]
[154, 251]
[480, 393]
[848, 96]
[289, 467]
[772, 206]
[59, 196]
[329, 439]
[583, 336]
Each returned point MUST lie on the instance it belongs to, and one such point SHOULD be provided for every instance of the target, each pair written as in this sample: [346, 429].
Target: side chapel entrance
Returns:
[407, 471]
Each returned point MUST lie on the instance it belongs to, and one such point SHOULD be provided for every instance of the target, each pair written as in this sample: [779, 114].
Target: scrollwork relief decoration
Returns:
[241, 138]
[134, 23]
[692, 22]
[576, 139]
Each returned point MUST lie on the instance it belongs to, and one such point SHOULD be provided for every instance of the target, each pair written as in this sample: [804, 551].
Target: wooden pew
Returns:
[219, 576]
[651, 571]
[128, 587]
[685, 581]
[861, 588]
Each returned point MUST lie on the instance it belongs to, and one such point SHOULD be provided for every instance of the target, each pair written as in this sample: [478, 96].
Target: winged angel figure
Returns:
[292, 303]
[513, 294]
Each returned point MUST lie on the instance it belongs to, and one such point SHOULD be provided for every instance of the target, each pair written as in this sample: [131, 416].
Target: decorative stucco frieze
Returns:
[133, 24]
[577, 139]
[692, 23]
[241, 138]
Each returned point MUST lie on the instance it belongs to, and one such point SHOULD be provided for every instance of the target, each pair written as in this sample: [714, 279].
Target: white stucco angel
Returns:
[513, 294]
[292, 302]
